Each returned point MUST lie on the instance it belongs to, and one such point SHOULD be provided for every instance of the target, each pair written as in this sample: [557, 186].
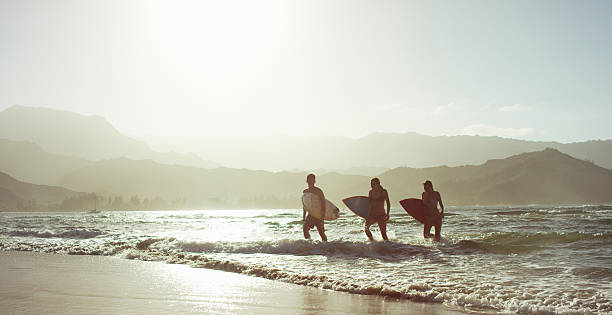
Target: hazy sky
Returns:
[528, 69]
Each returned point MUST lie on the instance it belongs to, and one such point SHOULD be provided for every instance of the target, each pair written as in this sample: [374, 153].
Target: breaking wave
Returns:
[74, 234]
[516, 242]
[305, 247]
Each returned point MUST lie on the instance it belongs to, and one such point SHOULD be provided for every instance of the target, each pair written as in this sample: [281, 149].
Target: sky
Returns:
[535, 70]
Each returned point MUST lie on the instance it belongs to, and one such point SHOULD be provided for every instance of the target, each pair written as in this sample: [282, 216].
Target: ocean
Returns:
[527, 260]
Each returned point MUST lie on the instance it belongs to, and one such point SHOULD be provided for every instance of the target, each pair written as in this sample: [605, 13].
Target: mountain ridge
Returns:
[18, 195]
[28, 162]
[89, 137]
[558, 174]
[92, 137]
[376, 150]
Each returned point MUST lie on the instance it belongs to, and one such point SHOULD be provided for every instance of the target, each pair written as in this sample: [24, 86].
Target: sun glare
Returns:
[220, 50]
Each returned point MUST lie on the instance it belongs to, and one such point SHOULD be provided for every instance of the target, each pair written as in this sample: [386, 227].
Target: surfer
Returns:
[309, 220]
[433, 217]
[378, 196]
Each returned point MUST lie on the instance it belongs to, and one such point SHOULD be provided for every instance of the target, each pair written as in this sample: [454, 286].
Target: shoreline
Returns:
[76, 284]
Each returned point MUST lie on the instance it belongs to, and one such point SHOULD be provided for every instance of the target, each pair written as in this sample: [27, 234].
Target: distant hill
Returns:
[65, 133]
[427, 151]
[18, 195]
[9, 200]
[26, 161]
[272, 153]
[378, 150]
[223, 187]
[543, 177]
[88, 137]
[364, 171]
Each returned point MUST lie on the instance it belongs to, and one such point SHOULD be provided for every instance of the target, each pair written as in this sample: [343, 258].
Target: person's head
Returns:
[310, 179]
[375, 182]
[428, 186]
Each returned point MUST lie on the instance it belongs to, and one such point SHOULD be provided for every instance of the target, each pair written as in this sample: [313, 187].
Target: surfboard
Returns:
[360, 205]
[415, 207]
[312, 205]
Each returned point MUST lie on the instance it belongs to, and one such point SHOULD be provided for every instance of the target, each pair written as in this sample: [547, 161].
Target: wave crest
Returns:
[516, 242]
[304, 248]
[74, 234]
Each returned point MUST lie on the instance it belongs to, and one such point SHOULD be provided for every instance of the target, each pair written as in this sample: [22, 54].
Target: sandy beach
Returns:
[35, 283]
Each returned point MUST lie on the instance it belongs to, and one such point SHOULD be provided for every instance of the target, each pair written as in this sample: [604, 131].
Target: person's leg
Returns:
[368, 222]
[306, 228]
[321, 229]
[427, 229]
[438, 226]
[382, 224]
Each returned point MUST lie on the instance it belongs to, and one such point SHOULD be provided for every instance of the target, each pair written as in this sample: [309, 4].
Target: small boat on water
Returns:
[95, 209]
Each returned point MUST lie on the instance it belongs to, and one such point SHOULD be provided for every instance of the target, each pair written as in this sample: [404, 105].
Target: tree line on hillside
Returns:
[91, 201]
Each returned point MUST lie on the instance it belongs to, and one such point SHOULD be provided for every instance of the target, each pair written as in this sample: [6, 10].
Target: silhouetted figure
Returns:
[433, 217]
[309, 220]
[378, 196]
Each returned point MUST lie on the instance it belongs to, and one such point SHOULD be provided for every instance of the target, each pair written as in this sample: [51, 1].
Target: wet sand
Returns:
[51, 284]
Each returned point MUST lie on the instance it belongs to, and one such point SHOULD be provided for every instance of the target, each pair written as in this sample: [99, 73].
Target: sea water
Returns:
[506, 259]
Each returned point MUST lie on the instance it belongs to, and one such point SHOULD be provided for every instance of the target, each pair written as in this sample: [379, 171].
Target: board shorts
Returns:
[374, 219]
[432, 217]
[311, 222]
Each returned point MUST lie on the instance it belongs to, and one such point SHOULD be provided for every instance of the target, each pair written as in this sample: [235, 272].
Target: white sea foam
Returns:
[71, 233]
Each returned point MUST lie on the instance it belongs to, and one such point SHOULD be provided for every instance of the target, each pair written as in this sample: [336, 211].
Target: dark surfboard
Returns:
[360, 205]
[415, 207]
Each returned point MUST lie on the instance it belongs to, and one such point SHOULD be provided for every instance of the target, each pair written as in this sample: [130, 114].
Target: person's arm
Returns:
[441, 204]
[388, 203]
[303, 208]
[322, 197]
[370, 199]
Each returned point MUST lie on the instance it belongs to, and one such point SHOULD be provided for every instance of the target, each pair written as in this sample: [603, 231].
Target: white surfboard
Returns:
[312, 205]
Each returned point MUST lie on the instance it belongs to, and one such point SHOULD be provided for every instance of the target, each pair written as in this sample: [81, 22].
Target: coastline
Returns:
[77, 284]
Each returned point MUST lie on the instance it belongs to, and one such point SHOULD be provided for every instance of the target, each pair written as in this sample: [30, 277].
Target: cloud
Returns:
[516, 108]
[443, 109]
[488, 130]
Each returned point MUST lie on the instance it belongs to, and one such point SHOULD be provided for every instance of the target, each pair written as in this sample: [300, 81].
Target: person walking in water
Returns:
[433, 217]
[309, 220]
[378, 197]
